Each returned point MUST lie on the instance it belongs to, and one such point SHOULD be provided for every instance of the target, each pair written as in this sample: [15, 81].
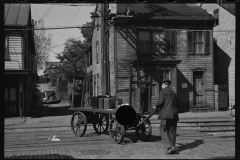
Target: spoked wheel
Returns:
[79, 124]
[101, 123]
[116, 131]
[144, 132]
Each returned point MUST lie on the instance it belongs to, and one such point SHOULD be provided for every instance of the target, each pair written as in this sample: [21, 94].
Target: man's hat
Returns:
[166, 80]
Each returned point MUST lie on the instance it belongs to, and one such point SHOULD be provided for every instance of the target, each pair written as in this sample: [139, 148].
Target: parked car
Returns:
[50, 97]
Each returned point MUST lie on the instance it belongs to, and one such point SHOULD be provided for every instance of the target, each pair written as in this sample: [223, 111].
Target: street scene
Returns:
[119, 80]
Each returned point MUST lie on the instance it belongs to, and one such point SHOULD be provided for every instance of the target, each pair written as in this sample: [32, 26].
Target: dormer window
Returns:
[216, 16]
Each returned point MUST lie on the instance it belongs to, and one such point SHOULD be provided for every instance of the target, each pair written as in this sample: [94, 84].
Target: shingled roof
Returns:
[230, 8]
[164, 11]
[16, 14]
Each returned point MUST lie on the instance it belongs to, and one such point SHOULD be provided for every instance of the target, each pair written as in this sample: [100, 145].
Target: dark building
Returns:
[19, 76]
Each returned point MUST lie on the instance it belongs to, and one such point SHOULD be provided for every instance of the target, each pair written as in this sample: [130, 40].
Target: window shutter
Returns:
[190, 42]
[173, 42]
[207, 42]
[167, 49]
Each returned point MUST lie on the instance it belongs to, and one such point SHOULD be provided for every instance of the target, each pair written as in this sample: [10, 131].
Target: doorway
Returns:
[198, 89]
[11, 99]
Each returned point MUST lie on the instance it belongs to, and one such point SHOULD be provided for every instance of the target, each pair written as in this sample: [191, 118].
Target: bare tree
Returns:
[43, 45]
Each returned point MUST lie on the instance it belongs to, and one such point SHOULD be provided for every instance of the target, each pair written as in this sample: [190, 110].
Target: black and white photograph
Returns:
[119, 80]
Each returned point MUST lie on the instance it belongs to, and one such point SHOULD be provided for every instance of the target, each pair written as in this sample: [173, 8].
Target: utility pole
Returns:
[104, 45]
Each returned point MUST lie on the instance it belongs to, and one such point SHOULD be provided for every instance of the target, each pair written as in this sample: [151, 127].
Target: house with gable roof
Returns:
[144, 43]
[20, 71]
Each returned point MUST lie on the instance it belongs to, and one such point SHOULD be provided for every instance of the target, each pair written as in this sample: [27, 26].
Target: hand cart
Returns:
[103, 119]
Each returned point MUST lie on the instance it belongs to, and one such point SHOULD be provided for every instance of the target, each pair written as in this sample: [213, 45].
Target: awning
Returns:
[16, 14]
[152, 60]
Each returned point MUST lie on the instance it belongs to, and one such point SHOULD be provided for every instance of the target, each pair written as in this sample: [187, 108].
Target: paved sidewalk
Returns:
[197, 149]
[57, 121]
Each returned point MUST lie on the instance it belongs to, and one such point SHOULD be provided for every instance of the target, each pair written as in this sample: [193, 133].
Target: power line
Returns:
[46, 13]
[42, 28]
[64, 44]
[70, 4]
[69, 25]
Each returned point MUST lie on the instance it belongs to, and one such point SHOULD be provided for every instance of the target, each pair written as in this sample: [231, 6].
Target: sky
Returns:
[62, 15]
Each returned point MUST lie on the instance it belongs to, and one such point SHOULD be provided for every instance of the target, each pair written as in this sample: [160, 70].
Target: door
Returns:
[11, 99]
[199, 88]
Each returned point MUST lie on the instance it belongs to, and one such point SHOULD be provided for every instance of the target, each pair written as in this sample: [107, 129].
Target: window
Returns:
[166, 74]
[7, 56]
[144, 42]
[97, 53]
[98, 85]
[154, 90]
[216, 16]
[98, 21]
[14, 52]
[170, 41]
[156, 42]
[198, 42]
[94, 86]
[90, 59]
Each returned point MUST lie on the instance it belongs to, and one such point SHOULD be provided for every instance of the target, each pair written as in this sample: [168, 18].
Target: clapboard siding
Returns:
[112, 62]
[123, 51]
[97, 68]
[125, 55]
[184, 71]
[224, 66]
[15, 51]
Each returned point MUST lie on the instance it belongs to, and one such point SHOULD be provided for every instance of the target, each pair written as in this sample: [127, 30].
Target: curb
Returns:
[11, 124]
[217, 120]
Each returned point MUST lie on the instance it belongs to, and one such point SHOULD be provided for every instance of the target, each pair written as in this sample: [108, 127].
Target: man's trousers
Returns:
[168, 129]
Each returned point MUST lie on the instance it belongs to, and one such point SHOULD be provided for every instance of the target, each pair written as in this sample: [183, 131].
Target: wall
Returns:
[224, 33]
[184, 72]
[96, 67]
[126, 54]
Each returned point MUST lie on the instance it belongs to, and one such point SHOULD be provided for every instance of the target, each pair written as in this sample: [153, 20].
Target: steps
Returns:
[201, 109]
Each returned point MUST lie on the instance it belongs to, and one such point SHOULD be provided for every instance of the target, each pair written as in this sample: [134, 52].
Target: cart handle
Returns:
[147, 118]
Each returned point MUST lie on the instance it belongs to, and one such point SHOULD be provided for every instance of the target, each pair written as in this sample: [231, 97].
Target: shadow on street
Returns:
[191, 145]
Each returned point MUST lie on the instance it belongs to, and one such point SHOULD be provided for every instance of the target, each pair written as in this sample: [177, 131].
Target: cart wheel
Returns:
[78, 124]
[101, 123]
[144, 132]
[116, 131]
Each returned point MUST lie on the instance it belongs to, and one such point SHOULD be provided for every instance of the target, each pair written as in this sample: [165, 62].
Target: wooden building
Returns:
[19, 51]
[135, 45]
[224, 60]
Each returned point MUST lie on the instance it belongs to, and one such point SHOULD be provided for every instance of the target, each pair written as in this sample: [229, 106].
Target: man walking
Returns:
[168, 113]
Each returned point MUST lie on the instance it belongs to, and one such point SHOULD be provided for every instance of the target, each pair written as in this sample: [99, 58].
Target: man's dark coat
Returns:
[168, 104]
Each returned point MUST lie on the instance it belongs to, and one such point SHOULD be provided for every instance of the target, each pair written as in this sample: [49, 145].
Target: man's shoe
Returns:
[172, 150]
